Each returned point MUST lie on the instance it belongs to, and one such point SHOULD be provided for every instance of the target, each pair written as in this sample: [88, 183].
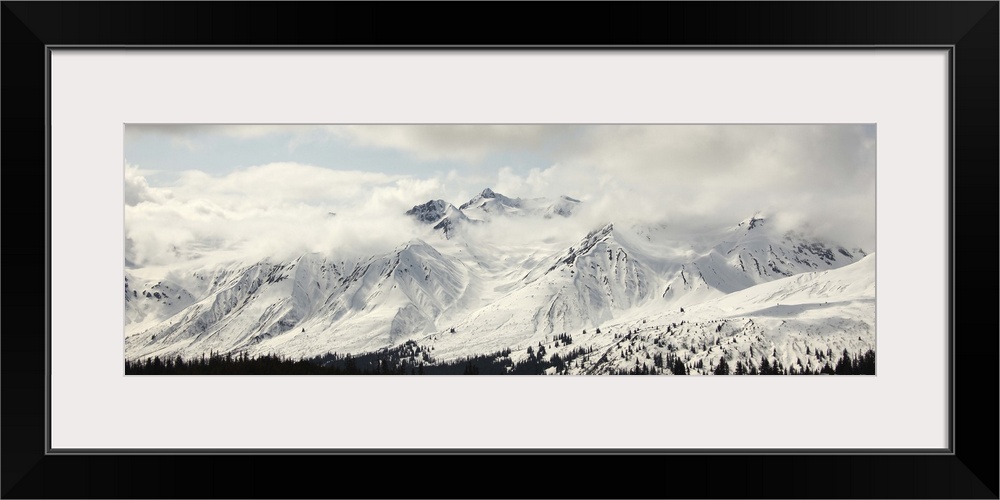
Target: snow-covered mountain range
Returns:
[627, 292]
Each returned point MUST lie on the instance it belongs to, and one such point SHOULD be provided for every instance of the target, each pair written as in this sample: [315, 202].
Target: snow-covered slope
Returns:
[490, 201]
[312, 305]
[148, 302]
[801, 322]
[587, 284]
[745, 284]
[747, 254]
[564, 206]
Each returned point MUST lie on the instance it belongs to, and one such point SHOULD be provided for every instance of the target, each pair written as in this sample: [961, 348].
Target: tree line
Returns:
[412, 359]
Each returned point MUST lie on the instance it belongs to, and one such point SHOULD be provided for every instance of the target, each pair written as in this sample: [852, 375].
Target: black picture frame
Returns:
[969, 29]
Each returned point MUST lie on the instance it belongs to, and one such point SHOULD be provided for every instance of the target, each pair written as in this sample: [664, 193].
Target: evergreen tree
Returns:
[765, 366]
[678, 368]
[865, 364]
[844, 365]
[723, 368]
[741, 369]
[470, 369]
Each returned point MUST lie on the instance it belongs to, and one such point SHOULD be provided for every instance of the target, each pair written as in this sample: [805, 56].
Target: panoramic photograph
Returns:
[562, 249]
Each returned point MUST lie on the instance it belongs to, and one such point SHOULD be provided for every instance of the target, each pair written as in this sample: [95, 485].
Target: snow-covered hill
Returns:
[800, 322]
[742, 291]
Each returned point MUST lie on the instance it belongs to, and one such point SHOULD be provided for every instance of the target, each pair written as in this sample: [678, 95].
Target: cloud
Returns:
[693, 177]
[185, 132]
[273, 210]
[716, 171]
[195, 137]
[715, 174]
[712, 175]
[278, 184]
[463, 143]
[137, 190]
[453, 142]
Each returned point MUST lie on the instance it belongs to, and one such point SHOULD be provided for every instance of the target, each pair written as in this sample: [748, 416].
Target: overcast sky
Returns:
[267, 189]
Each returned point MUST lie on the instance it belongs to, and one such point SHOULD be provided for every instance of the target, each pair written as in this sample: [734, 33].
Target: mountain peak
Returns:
[585, 246]
[492, 197]
[756, 220]
[430, 212]
[413, 243]
[600, 233]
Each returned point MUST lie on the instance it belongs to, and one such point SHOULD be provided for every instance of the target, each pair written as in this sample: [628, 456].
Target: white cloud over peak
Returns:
[820, 176]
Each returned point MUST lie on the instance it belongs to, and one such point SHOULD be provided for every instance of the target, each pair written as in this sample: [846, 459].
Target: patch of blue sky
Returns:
[162, 157]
